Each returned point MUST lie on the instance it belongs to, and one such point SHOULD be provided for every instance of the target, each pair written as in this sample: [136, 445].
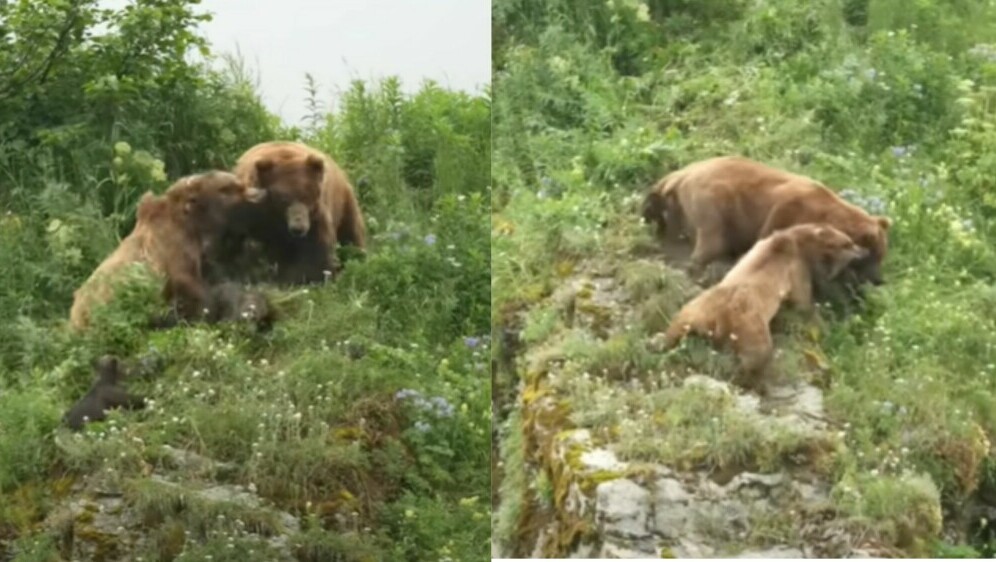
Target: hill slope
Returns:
[879, 437]
[356, 430]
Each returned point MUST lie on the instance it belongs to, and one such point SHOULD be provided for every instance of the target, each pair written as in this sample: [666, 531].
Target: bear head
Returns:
[206, 202]
[875, 237]
[109, 370]
[827, 250]
[294, 185]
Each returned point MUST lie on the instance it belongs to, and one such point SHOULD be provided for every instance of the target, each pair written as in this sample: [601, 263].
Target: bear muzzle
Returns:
[255, 194]
[298, 222]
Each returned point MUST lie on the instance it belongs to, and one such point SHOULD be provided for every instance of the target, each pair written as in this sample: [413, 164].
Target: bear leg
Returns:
[709, 245]
[310, 261]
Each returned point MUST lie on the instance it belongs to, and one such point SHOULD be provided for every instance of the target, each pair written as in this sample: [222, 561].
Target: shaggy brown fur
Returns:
[311, 208]
[729, 203]
[170, 236]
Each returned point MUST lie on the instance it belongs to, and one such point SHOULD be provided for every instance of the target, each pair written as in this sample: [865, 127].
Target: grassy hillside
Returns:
[890, 103]
[356, 430]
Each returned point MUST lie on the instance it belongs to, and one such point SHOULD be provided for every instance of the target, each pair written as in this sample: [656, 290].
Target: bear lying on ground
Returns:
[310, 209]
[737, 312]
[729, 203]
[170, 236]
[230, 302]
[105, 394]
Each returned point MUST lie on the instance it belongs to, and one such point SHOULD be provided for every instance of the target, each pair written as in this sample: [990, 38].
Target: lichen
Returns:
[104, 544]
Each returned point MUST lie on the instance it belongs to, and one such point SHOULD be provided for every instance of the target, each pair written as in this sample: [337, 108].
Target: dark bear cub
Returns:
[230, 302]
[105, 394]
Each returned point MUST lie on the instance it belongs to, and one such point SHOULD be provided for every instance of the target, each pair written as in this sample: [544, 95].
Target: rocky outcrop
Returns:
[596, 501]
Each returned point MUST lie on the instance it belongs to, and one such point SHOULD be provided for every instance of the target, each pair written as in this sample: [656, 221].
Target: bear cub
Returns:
[105, 393]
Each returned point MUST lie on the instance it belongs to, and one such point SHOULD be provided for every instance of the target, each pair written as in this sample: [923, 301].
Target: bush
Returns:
[110, 104]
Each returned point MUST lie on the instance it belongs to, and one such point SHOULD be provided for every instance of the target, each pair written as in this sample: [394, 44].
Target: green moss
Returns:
[905, 510]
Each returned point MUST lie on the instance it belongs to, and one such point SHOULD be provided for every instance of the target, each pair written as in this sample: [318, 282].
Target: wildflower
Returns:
[422, 426]
[875, 205]
[430, 239]
[871, 73]
[900, 151]
[471, 342]
[406, 393]
[443, 407]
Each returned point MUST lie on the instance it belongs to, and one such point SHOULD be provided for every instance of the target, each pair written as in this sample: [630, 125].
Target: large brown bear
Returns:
[311, 207]
[737, 312]
[728, 203]
[170, 236]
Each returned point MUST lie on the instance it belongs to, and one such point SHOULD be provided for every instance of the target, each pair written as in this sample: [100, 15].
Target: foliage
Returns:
[890, 103]
[109, 104]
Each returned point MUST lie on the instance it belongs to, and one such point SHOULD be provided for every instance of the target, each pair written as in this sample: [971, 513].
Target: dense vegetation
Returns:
[892, 103]
[364, 413]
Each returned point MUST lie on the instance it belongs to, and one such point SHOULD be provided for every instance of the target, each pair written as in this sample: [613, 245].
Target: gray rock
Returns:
[671, 511]
[616, 552]
[746, 479]
[775, 552]
[669, 490]
[601, 459]
[689, 547]
[623, 508]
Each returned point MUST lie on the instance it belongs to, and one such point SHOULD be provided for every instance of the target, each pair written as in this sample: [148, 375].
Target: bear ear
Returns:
[884, 222]
[315, 164]
[264, 166]
[179, 199]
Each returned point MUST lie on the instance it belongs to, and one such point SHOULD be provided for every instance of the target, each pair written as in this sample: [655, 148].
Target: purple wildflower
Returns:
[899, 151]
[472, 342]
[406, 393]
[442, 406]
[430, 239]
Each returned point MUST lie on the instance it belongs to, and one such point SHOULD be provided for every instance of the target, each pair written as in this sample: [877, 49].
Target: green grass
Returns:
[892, 107]
[366, 404]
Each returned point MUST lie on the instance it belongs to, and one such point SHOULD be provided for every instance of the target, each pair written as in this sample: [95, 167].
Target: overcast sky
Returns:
[338, 40]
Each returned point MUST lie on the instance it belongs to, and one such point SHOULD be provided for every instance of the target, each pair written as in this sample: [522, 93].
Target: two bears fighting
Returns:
[794, 234]
[291, 200]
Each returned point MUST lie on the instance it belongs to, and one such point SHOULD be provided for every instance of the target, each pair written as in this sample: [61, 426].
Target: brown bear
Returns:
[728, 203]
[737, 312]
[171, 233]
[310, 209]
[105, 393]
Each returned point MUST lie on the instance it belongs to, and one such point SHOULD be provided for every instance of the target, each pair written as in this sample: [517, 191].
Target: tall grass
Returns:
[891, 106]
[367, 412]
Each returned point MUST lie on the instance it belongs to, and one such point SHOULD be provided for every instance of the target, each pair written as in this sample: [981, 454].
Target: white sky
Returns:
[340, 40]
